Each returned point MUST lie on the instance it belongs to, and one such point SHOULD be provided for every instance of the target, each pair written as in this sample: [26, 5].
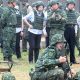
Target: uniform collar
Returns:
[70, 10]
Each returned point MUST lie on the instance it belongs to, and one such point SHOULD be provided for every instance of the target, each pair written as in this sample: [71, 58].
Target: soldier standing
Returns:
[69, 33]
[9, 30]
[56, 18]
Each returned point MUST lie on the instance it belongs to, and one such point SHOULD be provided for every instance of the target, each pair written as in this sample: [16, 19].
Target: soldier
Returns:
[52, 64]
[56, 18]
[35, 22]
[8, 76]
[9, 22]
[69, 33]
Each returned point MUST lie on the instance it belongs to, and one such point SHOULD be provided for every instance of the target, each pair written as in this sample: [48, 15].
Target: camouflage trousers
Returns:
[56, 74]
[9, 40]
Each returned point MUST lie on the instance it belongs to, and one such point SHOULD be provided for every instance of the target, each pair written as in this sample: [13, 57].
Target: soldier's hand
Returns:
[62, 59]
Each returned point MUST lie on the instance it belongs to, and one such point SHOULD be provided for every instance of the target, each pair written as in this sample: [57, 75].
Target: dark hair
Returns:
[39, 6]
[71, 3]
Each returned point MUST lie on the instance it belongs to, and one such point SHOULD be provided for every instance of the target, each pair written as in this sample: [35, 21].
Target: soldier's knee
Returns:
[59, 72]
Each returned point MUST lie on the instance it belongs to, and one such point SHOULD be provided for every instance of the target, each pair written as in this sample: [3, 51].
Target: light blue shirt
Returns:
[30, 17]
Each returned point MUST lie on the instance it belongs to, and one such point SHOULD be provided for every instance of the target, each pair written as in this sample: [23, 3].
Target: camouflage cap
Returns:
[70, 2]
[8, 76]
[57, 38]
[52, 2]
[11, 0]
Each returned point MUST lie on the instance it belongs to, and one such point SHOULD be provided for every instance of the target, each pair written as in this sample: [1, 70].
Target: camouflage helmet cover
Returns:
[8, 76]
[11, 0]
[57, 38]
[52, 2]
[70, 2]
[39, 3]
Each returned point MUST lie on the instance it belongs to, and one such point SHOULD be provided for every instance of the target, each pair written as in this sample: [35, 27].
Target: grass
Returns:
[21, 67]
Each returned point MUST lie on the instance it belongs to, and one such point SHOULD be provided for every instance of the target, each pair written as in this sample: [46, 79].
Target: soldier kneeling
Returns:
[53, 64]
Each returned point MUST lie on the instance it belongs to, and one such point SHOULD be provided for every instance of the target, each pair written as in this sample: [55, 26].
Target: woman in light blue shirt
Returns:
[35, 20]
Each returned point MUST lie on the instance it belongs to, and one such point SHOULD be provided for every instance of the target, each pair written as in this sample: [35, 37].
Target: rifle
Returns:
[67, 60]
[65, 66]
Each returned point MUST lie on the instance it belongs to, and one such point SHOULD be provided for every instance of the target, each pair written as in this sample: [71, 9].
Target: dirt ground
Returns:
[21, 74]
[21, 68]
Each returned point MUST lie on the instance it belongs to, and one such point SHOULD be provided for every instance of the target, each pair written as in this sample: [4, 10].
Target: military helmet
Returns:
[8, 76]
[39, 3]
[52, 2]
[57, 38]
[70, 2]
[11, 0]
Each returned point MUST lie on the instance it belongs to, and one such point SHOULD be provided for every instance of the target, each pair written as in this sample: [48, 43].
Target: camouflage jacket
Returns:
[8, 18]
[72, 16]
[57, 19]
[49, 60]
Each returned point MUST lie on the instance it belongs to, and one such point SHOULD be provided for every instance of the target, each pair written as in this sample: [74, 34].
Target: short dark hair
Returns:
[39, 6]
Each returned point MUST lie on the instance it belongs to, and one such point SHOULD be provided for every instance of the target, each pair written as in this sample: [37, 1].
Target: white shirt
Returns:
[18, 30]
[78, 21]
[30, 17]
[76, 26]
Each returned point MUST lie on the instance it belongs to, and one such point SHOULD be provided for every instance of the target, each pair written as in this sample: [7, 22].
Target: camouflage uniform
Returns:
[69, 33]
[9, 22]
[8, 76]
[48, 66]
[56, 19]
